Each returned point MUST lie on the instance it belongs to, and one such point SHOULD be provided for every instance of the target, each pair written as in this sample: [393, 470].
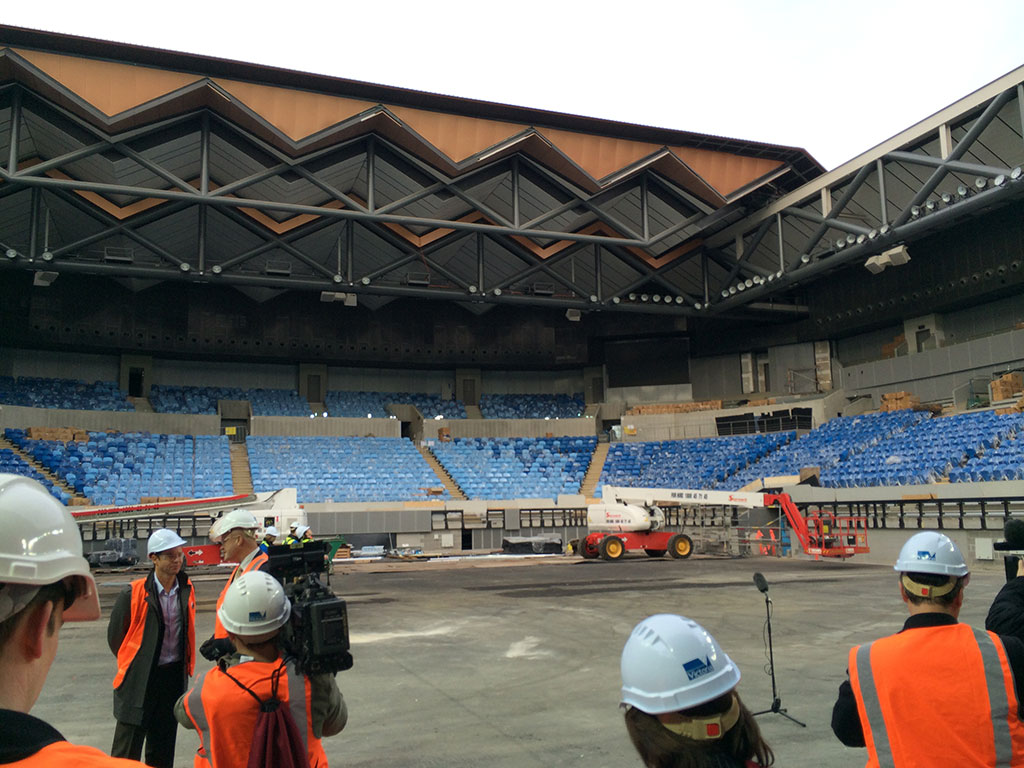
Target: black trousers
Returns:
[159, 729]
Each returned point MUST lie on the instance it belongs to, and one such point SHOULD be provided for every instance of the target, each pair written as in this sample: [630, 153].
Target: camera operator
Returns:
[227, 704]
[1006, 615]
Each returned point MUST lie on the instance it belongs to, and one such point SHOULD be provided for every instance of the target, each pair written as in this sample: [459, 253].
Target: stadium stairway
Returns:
[589, 486]
[474, 412]
[241, 475]
[142, 404]
[57, 481]
[442, 474]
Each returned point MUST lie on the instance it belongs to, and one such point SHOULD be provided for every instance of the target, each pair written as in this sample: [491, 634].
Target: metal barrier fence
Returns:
[970, 513]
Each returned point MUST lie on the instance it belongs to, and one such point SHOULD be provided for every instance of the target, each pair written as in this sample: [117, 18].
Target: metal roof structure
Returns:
[147, 165]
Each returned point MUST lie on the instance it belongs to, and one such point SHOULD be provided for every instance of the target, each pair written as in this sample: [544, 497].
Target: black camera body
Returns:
[316, 634]
[1012, 546]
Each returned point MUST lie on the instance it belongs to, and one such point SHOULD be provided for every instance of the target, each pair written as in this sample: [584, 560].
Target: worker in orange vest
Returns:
[225, 703]
[44, 581]
[152, 632]
[236, 534]
[938, 692]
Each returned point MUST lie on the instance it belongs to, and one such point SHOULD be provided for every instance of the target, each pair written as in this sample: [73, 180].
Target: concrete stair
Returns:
[474, 412]
[442, 474]
[142, 404]
[241, 475]
[589, 486]
[5, 443]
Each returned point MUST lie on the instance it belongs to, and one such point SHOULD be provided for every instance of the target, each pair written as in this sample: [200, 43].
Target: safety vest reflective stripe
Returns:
[254, 564]
[133, 638]
[997, 700]
[999, 685]
[873, 708]
[196, 713]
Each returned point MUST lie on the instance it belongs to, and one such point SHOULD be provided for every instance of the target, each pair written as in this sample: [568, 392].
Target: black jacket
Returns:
[846, 723]
[130, 696]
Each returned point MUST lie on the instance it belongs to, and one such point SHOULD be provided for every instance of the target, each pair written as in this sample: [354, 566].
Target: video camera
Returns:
[1013, 542]
[316, 635]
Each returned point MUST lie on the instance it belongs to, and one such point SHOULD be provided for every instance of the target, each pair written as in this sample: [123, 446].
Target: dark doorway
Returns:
[313, 388]
[136, 382]
[467, 539]
[469, 392]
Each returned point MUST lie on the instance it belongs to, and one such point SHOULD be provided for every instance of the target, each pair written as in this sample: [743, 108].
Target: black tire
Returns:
[680, 546]
[655, 552]
[611, 548]
[586, 552]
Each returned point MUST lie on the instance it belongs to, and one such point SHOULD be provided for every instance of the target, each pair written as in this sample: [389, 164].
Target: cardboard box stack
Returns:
[63, 434]
[898, 401]
[889, 350]
[662, 408]
[1006, 386]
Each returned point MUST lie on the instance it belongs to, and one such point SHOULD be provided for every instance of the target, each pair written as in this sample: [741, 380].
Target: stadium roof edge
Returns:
[803, 164]
[959, 108]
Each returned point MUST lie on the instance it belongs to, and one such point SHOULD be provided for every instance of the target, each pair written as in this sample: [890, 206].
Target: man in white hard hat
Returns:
[152, 632]
[938, 692]
[225, 702]
[44, 581]
[269, 537]
[236, 534]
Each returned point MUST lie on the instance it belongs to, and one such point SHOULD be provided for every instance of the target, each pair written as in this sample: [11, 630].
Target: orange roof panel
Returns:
[110, 87]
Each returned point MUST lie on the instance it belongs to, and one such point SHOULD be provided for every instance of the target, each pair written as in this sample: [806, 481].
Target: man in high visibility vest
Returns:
[44, 581]
[938, 692]
[225, 703]
[152, 632]
[236, 534]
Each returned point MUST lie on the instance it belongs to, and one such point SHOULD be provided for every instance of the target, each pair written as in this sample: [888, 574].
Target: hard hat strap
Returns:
[928, 590]
[709, 727]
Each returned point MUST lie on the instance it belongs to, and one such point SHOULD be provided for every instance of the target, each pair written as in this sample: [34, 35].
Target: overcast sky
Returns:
[835, 78]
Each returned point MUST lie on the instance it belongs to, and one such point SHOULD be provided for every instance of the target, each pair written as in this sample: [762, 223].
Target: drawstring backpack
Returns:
[276, 740]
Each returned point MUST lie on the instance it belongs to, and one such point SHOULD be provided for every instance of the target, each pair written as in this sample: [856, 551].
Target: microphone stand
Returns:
[776, 706]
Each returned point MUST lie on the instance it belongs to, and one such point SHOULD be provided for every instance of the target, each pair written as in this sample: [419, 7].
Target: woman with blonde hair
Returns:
[681, 705]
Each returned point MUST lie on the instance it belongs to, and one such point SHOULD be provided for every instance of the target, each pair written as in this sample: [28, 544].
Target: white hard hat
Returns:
[163, 539]
[236, 518]
[254, 604]
[294, 524]
[41, 545]
[271, 531]
[931, 552]
[671, 663]
[301, 530]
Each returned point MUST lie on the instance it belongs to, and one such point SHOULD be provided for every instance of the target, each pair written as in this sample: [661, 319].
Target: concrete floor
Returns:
[510, 662]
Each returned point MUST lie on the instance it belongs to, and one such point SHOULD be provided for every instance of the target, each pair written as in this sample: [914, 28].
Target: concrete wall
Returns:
[291, 426]
[122, 421]
[511, 427]
[934, 373]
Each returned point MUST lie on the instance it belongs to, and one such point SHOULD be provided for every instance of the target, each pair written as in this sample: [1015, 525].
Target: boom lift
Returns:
[629, 519]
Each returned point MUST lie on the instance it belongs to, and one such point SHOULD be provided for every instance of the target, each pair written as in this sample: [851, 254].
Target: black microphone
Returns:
[760, 583]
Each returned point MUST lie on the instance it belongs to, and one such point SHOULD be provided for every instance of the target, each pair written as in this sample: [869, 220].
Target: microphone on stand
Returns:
[760, 583]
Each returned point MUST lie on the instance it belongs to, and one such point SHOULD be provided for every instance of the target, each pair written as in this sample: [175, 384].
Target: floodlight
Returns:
[47, 256]
[497, 291]
[1015, 174]
[644, 297]
[184, 266]
[961, 191]
[216, 269]
[337, 278]
[11, 253]
[655, 298]
[915, 211]
[999, 181]
[679, 299]
[805, 259]
[980, 183]
[748, 283]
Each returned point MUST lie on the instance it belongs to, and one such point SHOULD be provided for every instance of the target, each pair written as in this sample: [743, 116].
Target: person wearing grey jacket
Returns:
[152, 633]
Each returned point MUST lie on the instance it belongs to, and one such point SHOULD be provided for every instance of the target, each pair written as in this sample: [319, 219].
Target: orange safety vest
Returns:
[137, 625]
[937, 696]
[224, 715]
[65, 753]
[254, 564]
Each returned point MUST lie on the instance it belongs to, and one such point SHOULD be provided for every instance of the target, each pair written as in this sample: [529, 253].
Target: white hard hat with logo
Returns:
[41, 544]
[271, 531]
[236, 518]
[931, 552]
[163, 539]
[671, 663]
[254, 605]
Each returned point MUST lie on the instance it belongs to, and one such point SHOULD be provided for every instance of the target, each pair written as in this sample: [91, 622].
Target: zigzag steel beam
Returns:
[964, 144]
[956, 166]
[830, 221]
[264, 205]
